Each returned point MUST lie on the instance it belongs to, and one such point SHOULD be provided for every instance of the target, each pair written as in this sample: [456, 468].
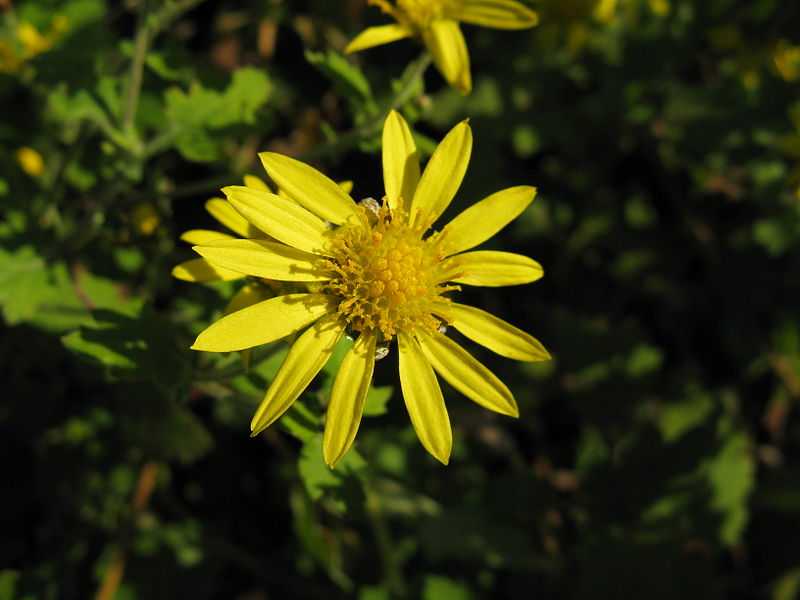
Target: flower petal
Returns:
[400, 161]
[491, 269]
[347, 399]
[424, 400]
[199, 270]
[309, 187]
[198, 237]
[256, 183]
[305, 359]
[248, 294]
[227, 215]
[466, 374]
[500, 14]
[442, 176]
[377, 36]
[280, 217]
[483, 219]
[261, 258]
[446, 43]
[264, 322]
[494, 333]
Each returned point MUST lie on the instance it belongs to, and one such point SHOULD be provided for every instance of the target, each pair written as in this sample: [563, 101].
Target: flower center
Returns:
[385, 273]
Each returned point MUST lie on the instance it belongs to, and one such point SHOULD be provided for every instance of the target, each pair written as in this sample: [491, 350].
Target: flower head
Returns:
[374, 273]
[436, 23]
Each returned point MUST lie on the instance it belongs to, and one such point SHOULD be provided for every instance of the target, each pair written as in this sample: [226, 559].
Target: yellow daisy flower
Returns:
[373, 273]
[436, 23]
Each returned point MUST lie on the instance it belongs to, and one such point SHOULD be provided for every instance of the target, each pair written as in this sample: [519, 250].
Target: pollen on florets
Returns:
[385, 273]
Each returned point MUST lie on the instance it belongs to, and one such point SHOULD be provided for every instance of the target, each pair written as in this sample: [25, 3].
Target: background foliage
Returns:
[656, 456]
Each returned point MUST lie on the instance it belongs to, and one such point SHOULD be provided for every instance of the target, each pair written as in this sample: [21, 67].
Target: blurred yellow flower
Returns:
[786, 59]
[29, 42]
[30, 161]
[372, 272]
[436, 23]
[605, 11]
[660, 7]
[145, 219]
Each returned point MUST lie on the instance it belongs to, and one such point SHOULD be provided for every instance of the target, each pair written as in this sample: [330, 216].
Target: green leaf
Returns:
[732, 477]
[138, 348]
[8, 584]
[320, 479]
[678, 418]
[348, 79]
[437, 587]
[377, 398]
[248, 92]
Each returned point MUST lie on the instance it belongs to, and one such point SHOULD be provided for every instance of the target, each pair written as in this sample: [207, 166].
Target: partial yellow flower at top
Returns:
[660, 8]
[29, 43]
[30, 161]
[786, 58]
[436, 23]
[374, 273]
[605, 11]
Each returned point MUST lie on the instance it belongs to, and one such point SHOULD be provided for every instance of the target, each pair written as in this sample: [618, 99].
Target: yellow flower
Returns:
[373, 273]
[145, 218]
[30, 161]
[786, 58]
[436, 23]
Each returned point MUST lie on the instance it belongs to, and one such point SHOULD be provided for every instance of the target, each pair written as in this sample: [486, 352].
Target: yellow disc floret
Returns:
[385, 273]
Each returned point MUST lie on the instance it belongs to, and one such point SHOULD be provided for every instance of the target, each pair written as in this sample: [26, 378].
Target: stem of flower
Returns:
[149, 26]
[141, 44]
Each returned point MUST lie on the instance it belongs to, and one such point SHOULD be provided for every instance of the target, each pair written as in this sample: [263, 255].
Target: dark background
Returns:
[657, 454]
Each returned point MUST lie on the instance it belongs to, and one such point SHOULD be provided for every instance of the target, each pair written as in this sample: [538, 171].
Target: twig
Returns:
[112, 579]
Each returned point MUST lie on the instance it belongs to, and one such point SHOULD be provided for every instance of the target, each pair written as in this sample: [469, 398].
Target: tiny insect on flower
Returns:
[374, 274]
[436, 24]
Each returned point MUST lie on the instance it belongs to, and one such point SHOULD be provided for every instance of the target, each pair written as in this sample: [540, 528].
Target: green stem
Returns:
[137, 71]
[150, 25]
[403, 95]
[392, 575]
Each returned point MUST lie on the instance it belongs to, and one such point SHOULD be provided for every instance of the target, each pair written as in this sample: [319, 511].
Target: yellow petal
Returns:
[446, 43]
[227, 215]
[261, 258]
[305, 359]
[199, 270]
[249, 294]
[264, 322]
[256, 183]
[280, 217]
[466, 374]
[491, 269]
[309, 187]
[424, 400]
[198, 237]
[377, 36]
[347, 186]
[347, 399]
[442, 176]
[485, 218]
[400, 161]
[500, 14]
[495, 334]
